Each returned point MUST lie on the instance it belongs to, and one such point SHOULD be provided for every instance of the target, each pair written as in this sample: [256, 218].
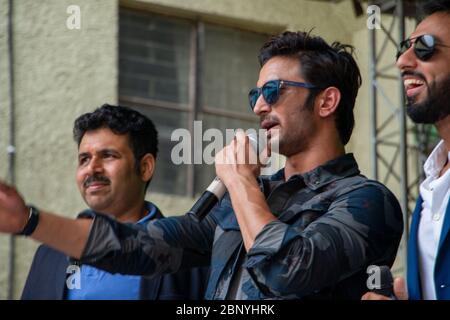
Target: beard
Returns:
[298, 137]
[436, 105]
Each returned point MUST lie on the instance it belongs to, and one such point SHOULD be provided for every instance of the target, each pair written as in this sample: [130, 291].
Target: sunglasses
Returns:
[424, 46]
[271, 91]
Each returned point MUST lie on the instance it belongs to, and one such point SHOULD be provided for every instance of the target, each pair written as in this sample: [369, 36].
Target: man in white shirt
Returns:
[424, 62]
[434, 193]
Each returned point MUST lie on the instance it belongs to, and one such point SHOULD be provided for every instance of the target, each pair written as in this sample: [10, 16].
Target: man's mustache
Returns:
[95, 178]
[268, 118]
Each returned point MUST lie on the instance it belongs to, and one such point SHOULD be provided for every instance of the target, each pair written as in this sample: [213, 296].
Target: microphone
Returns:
[386, 287]
[216, 190]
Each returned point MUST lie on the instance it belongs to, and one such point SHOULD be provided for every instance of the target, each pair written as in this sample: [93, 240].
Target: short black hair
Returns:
[322, 65]
[142, 133]
[435, 6]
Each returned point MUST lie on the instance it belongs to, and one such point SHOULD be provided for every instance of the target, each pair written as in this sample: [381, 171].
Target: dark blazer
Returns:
[47, 277]
[442, 264]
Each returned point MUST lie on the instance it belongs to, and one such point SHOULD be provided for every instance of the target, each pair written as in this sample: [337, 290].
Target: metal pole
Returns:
[373, 99]
[196, 64]
[11, 147]
[193, 75]
[403, 146]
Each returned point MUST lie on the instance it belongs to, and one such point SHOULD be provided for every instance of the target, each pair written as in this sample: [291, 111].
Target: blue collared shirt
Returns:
[96, 284]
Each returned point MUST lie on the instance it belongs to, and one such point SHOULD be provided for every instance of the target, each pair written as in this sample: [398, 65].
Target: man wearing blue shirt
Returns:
[117, 149]
[98, 284]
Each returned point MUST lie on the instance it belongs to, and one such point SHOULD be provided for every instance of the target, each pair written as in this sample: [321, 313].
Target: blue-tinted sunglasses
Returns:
[271, 91]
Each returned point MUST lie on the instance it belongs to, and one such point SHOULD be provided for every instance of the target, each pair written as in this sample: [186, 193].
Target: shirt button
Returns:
[436, 216]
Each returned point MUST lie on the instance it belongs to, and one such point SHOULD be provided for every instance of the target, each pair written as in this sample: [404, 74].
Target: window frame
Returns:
[195, 106]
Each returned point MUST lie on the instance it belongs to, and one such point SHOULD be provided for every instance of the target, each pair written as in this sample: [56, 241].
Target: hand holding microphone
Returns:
[234, 154]
[388, 288]
[240, 158]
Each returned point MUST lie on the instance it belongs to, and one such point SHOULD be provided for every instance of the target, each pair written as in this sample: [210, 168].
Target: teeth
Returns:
[408, 82]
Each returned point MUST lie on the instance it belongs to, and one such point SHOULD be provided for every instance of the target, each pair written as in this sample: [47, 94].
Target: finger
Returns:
[220, 157]
[264, 157]
[231, 152]
[374, 296]
[240, 134]
[241, 146]
[240, 138]
[400, 290]
[237, 136]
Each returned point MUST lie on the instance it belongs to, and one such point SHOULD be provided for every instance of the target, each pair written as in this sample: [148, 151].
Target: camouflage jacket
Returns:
[332, 224]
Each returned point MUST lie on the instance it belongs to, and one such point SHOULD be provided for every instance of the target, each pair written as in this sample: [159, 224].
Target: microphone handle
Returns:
[387, 292]
[386, 287]
[208, 199]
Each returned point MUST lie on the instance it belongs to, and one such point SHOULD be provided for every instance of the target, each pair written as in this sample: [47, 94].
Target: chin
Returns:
[98, 206]
[414, 100]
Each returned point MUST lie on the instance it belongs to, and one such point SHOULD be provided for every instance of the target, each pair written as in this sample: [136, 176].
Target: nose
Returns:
[261, 106]
[95, 166]
[407, 60]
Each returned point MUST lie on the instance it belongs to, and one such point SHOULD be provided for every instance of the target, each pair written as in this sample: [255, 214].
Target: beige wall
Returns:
[261, 14]
[3, 135]
[61, 73]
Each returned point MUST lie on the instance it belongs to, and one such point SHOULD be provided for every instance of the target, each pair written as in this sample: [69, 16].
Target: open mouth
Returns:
[413, 86]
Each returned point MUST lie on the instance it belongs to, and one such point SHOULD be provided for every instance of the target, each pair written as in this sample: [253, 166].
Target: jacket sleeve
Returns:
[360, 228]
[164, 246]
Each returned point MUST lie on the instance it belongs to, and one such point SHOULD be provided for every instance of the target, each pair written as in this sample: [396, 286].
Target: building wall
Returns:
[4, 101]
[61, 73]
[324, 17]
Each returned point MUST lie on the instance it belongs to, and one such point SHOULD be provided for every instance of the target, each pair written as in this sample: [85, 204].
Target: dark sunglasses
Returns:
[271, 91]
[424, 46]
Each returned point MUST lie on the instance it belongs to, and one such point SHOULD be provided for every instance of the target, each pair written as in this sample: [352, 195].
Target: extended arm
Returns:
[164, 247]
[63, 234]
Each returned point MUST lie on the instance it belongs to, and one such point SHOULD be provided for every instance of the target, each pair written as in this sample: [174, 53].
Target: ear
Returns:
[147, 166]
[328, 101]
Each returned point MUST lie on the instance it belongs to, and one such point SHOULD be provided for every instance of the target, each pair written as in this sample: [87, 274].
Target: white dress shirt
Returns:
[435, 192]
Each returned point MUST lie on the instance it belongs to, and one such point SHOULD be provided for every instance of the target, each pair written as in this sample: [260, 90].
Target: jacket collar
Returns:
[336, 169]
[414, 286]
[331, 171]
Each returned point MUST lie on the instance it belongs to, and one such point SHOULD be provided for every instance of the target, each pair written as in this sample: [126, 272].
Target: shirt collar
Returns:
[436, 161]
[151, 212]
[333, 170]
